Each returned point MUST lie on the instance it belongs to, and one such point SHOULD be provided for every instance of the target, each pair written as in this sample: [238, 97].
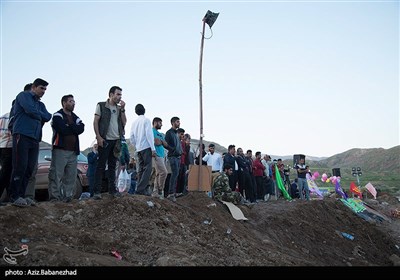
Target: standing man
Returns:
[174, 155]
[159, 159]
[64, 156]
[142, 139]
[109, 123]
[214, 160]
[7, 160]
[29, 115]
[5, 153]
[258, 172]
[302, 170]
[92, 165]
[230, 159]
[6, 147]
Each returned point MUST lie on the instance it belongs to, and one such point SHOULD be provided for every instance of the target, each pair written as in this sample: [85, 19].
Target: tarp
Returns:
[354, 204]
[236, 213]
[371, 189]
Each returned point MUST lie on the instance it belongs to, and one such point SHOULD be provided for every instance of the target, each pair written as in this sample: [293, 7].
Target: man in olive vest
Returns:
[109, 123]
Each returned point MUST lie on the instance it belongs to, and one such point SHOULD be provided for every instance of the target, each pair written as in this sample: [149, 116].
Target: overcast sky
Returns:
[280, 77]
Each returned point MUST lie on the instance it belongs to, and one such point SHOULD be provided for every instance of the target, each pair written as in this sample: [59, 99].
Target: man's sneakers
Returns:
[117, 194]
[266, 197]
[171, 197]
[30, 201]
[96, 196]
[24, 202]
[20, 202]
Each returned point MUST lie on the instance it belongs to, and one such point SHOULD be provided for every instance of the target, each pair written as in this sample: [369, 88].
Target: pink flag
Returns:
[371, 189]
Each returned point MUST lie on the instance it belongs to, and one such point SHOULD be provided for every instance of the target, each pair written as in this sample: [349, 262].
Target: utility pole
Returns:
[209, 18]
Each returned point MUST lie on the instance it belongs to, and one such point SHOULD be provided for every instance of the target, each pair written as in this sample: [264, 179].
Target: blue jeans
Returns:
[302, 185]
[132, 189]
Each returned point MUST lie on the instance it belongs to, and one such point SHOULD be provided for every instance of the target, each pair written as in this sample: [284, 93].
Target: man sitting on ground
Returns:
[221, 189]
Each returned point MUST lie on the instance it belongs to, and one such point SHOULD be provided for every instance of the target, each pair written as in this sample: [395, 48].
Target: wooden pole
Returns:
[201, 106]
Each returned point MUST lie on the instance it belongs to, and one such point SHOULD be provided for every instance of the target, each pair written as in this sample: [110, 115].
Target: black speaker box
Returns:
[336, 172]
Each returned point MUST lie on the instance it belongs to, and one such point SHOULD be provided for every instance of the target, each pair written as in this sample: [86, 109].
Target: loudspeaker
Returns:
[296, 158]
[336, 172]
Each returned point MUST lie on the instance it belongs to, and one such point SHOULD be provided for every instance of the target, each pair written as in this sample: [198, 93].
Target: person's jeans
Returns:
[106, 155]
[6, 168]
[144, 172]
[302, 185]
[25, 156]
[174, 163]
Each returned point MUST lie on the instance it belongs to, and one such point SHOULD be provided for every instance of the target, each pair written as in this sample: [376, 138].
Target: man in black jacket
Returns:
[230, 159]
[174, 155]
[64, 155]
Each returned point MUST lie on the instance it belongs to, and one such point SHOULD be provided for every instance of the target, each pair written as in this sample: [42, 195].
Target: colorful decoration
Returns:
[313, 186]
[339, 190]
[280, 184]
[354, 189]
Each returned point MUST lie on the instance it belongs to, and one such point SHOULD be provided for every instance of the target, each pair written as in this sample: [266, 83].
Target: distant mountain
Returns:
[291, 157]
[221, 149]
[376, 159]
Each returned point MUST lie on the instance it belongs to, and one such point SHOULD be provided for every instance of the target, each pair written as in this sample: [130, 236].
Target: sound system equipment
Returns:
[336, 172]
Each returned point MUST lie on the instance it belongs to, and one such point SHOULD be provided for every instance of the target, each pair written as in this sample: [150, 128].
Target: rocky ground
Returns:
[197, 231]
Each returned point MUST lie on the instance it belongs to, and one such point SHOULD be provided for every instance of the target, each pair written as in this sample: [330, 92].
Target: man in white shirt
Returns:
[142, 138]
[214, 160]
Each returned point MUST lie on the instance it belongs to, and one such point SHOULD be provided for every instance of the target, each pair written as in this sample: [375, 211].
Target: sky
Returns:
[280, 77]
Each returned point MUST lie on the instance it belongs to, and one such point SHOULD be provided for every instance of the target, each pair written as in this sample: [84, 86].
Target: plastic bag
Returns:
[124, 181]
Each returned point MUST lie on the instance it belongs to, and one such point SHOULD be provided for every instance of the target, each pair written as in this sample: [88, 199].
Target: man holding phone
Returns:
[109, 124]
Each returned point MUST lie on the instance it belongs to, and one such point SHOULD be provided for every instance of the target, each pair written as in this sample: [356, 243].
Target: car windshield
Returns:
[47, 153]
[42, 154]
[82, 158]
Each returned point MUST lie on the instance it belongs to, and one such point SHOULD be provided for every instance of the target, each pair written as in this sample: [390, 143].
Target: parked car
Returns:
[42, 176]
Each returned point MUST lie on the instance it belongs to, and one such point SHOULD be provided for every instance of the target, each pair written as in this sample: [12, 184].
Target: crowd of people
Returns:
[159, 166]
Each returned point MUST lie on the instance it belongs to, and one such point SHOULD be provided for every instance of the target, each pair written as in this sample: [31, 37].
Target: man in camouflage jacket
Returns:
[222, 190]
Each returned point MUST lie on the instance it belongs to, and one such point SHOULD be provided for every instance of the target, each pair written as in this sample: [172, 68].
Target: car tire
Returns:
[78, 188]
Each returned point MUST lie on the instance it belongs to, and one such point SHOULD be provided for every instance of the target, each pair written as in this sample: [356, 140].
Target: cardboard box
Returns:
[193, 178]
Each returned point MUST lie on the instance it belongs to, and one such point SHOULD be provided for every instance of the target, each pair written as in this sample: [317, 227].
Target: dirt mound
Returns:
[197, 231]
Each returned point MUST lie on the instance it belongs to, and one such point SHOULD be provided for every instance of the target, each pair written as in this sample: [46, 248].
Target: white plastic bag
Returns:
[124, 181]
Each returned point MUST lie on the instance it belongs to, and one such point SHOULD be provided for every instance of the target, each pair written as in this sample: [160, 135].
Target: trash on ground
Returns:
[150, 203]
[116, 254]
[84, 195]
[347, 235]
